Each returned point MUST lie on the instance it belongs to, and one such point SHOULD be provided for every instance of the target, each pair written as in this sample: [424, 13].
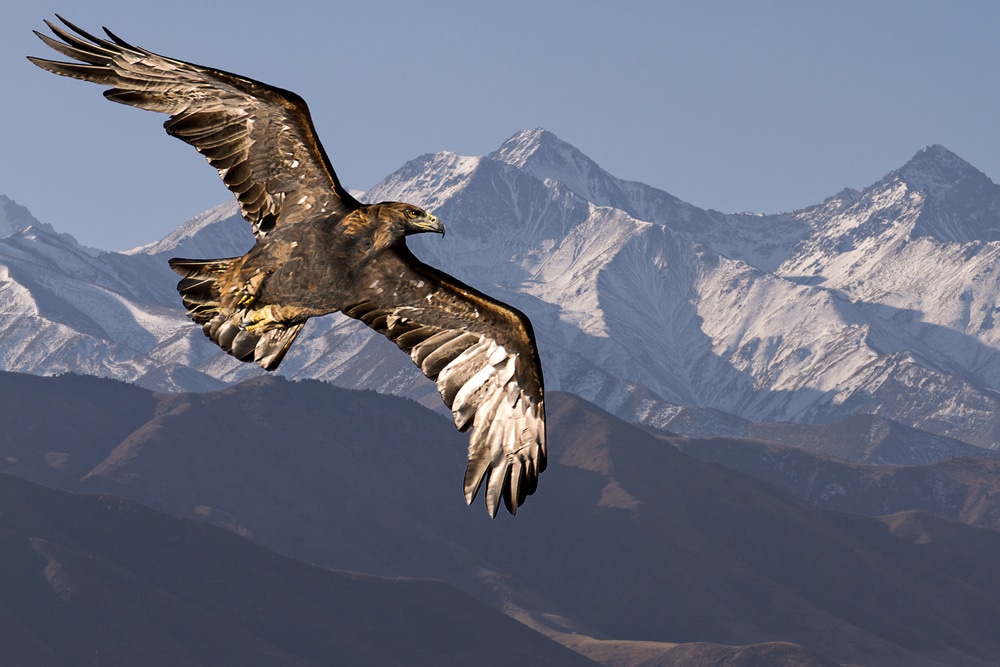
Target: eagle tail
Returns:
[199, 287]
[247, 333]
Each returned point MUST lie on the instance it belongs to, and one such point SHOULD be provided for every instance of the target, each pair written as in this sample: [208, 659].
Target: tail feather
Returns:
[270, 348]
[246, 333]
[199, 288]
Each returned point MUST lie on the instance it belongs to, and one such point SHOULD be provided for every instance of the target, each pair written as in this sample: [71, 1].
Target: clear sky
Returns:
[733, 105]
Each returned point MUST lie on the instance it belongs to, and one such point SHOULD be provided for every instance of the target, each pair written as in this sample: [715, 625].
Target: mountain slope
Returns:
[879, 301]
[960, 489]
[98, 579]
[626, 539]
[65, 309]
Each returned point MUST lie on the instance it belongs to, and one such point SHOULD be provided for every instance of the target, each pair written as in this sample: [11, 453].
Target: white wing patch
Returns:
[508, 438]
[479, 380]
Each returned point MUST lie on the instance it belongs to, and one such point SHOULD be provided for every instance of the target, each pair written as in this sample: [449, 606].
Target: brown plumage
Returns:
[320, 251]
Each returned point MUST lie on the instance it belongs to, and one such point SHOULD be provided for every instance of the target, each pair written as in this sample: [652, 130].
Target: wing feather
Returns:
[261, 139]
[483, 357]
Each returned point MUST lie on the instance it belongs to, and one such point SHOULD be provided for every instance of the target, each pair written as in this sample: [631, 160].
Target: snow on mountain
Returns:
[875, 301]
[849, 306]
[63, 309]
[218, 232]
[911, 262]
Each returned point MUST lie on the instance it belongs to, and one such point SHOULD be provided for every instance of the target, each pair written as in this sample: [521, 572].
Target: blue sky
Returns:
[737, 106]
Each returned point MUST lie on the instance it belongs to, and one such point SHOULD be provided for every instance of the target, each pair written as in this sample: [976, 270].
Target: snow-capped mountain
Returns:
[66, 308]
[876, 301]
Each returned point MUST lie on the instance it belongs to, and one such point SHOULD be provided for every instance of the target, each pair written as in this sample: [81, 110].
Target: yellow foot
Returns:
[260, 319]
[248, 294]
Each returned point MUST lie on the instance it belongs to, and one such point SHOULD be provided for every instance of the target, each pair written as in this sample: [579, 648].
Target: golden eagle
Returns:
[318, 250]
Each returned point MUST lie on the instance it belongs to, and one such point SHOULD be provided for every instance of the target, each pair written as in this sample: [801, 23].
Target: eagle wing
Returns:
[260, 138]
[483, 357]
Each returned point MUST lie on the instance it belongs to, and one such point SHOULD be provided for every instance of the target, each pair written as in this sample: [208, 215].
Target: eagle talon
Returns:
[258, 320]
[248, 293]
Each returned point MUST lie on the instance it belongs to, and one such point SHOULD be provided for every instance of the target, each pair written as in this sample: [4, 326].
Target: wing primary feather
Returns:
[74, 48]
[89, 42]
[78, 30]
[512, 491]
[499, 479]
[122, 43]
[96, 74]
[475, 472]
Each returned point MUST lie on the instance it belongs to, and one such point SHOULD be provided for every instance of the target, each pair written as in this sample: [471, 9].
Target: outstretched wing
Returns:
[260, 138]
[482, 355]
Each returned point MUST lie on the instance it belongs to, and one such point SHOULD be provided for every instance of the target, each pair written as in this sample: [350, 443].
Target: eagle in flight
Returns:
[318, 250]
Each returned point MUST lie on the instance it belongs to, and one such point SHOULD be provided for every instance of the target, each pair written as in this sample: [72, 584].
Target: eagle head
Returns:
[409, 218]
[387, 223]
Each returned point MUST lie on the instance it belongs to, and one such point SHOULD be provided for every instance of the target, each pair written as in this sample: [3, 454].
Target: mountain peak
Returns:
[935, 155]
[936, 170]
[13, 217]
[543, 155]
[518, 150]
[958, 203]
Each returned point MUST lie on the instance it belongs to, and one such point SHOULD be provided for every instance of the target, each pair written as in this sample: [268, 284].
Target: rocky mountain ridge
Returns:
[878, 301]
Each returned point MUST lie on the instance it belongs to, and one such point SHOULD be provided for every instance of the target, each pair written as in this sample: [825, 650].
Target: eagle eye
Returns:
[411, 213]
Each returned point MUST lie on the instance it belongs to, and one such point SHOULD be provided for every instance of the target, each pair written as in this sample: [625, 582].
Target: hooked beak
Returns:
[430, 223]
